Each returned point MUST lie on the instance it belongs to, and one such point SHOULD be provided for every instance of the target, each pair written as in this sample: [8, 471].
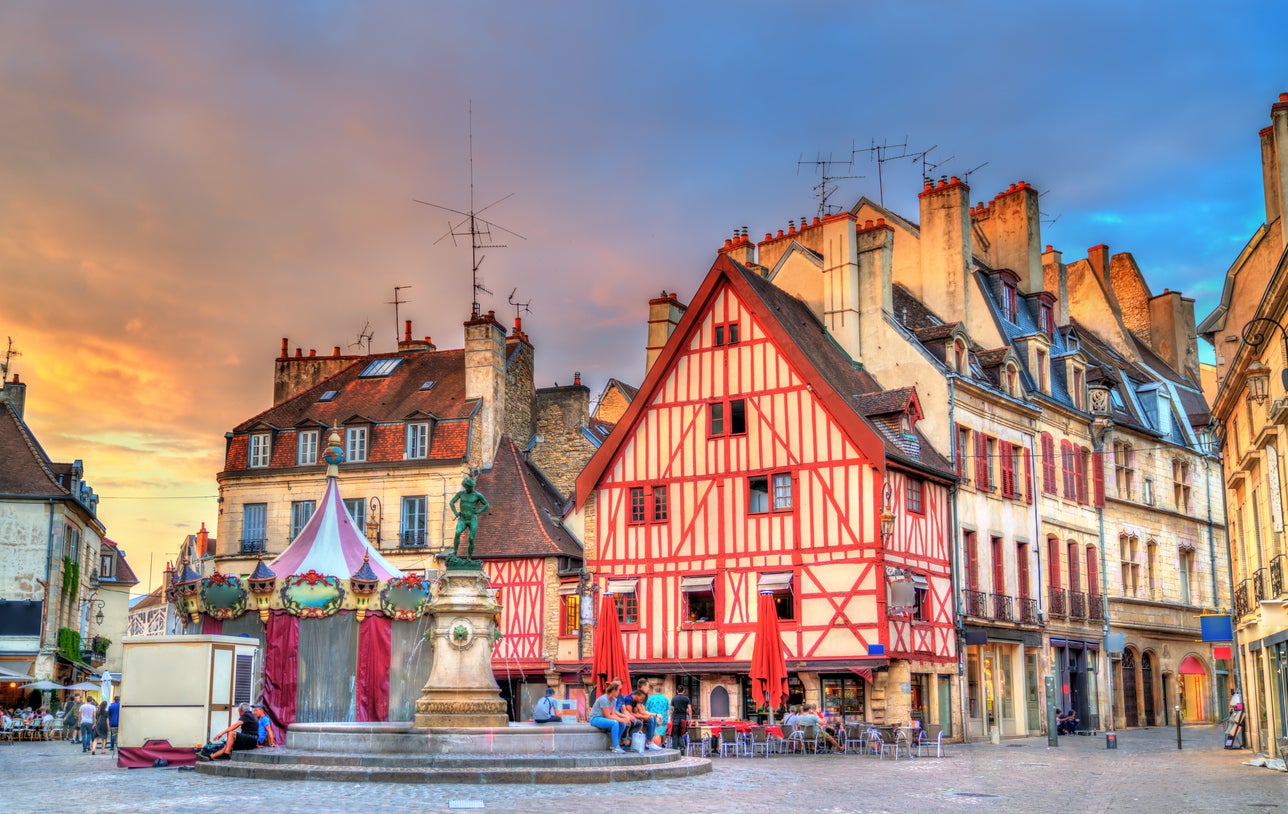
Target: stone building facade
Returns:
[1250, 409]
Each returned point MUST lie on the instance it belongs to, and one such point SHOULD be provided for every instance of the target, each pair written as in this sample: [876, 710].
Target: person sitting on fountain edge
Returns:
[546, 711]
[643, 718]
[604, 715]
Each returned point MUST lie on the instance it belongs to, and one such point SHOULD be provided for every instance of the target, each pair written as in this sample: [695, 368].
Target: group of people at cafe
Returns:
[644, 711]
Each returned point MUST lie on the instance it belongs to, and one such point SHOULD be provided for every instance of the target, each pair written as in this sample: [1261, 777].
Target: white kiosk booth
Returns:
[177, 691]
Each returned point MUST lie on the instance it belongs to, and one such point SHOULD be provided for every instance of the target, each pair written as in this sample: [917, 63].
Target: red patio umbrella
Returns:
[609, 659]
[768, 665]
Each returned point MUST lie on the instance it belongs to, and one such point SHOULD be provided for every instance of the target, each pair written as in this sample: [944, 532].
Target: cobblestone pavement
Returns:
[1145, 774]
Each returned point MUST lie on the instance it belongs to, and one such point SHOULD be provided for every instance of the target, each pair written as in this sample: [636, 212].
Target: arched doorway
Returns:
[1131, 712]
[719, 702]
[1194, 690]
[1147, 686]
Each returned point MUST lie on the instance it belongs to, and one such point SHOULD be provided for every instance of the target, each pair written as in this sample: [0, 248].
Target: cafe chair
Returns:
[730, 742]
[853, 738]
[761, 740]
[698, 744]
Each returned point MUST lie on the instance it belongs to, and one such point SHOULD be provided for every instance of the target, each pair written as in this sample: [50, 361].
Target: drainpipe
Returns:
[1104, 597]
[1217, 702]
[49, 557]
[958, 627]
[1037, 543]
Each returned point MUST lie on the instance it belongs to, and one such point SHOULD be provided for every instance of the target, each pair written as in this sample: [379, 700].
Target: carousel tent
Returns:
[330, 544]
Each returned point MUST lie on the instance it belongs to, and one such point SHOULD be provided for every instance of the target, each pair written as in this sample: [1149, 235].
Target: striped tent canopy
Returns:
[331, 544]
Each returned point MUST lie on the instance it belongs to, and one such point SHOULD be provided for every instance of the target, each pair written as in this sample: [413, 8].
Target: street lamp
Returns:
[887, 517]
[1256, 333]
[1258, 375]
[97, 604]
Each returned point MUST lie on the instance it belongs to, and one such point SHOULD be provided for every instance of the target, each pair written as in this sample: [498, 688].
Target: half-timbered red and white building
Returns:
[758, 457]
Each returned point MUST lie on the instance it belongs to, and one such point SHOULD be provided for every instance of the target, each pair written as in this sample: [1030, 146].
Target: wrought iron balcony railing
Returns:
[1003, 611]
[1277, 566]
[1058, 606]
[1077, 605]
[1096, 607]
[977, 604]
[1258, 585]
[1241, 604]
[1028, 610]
[254, 545]
[412, 539]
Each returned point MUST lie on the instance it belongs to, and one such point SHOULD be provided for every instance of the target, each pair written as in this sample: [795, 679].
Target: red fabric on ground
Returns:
[142, 757]
[371, 686]
[281, 670]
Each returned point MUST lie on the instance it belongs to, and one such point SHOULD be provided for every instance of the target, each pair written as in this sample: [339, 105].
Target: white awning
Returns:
[567, 588]
[780, 581]
[920, 581]
[622, 586]
[690, 585]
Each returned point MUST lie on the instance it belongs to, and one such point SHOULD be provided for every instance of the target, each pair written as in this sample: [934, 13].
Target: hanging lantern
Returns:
[363, 583]
[261, 584]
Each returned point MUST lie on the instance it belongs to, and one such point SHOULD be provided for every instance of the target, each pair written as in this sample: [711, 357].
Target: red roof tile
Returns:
[524, 520]
[24, 467]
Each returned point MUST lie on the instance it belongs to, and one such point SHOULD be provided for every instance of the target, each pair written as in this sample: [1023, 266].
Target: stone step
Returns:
[293, 757]
[623, 771]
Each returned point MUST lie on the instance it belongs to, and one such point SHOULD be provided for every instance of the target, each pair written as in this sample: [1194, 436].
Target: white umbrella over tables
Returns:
[43, 685]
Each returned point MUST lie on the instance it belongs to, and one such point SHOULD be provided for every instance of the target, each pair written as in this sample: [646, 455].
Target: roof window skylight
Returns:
[381, 367]
[429, 385]
[329, 395]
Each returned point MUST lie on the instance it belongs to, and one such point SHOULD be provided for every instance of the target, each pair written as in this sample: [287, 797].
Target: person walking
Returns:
[87, 711]
[101, 729]
[114, 718]
[680, 709]
[69, 715]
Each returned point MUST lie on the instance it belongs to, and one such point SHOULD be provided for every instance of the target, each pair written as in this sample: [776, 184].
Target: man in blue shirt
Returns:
[114, 718]
[265, 737]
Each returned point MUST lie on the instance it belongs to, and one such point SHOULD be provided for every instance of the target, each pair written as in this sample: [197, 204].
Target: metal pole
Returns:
[1053, 736]
[1177, 710]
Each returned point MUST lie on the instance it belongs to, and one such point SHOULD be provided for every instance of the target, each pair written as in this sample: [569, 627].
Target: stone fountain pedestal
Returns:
[461, 691]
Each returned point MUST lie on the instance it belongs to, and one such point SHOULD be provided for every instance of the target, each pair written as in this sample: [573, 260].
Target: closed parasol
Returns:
[609, 661]
[768, 665]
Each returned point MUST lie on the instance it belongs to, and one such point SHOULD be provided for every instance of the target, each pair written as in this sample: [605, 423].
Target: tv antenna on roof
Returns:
[9, 353]
[1047, 221]
[883, 152]
[520, 308]
[825, 187]
[476, 228]
[364, 336]
[395, 302]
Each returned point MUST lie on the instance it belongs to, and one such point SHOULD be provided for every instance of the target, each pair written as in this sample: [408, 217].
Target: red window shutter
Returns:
[1098, 476]
[1080, 470]
[1028, 475]
[1008, 468]
[972, 562]
[1066, 469]
[1048, 464]
[981, 460]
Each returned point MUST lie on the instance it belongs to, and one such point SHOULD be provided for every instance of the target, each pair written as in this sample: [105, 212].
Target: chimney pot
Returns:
[728, 243]
[1050, 248]
[768, 236]
[312, 352]
[286, 351]
[576, 377]
[518, 325]
[1283, 97]
[955, 180]
[817, 220]
[15, 379]
[880, 221]
[335, 351]
[407, 330]
[867, 224]
[929, 183]
[491, 315]
[780, 232]
[299, 353]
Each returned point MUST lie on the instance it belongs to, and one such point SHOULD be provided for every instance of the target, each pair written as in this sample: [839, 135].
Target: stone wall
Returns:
[564, 450]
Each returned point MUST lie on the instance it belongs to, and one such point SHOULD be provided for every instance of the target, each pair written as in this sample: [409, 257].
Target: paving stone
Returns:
[1146, 773]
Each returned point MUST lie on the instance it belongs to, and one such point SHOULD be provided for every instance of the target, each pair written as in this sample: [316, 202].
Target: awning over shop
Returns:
[780, 581]
[621, 586]
[19, 668]
[690, 585]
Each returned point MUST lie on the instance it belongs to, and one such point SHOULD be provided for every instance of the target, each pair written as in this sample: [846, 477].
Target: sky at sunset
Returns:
[182, 184]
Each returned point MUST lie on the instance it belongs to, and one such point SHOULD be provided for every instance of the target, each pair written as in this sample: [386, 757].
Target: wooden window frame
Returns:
[915, 496]
[722, 425]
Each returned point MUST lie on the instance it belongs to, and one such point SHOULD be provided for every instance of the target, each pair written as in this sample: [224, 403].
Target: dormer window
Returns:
[1043, 366]
[1011, 380]
[1008, 301]
[1078, 386]
[1046, 319]
[258, 453]
[355, 444]
[417, 440]
[959, 356]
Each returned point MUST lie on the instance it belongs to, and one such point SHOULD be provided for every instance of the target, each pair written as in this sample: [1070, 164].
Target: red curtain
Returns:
[281, 670]
[375, 647]
[211, 626]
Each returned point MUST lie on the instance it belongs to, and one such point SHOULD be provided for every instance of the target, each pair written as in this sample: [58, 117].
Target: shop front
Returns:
[1002, 682]
[1076, 665]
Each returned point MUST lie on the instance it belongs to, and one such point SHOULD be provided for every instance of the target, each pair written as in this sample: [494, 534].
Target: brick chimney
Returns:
[1172, 334]
[1010, 234]
[945, 248]
[740, 248]
[664, 313]
[485, 380]
[15, 393]
[293, 375]
[875, 247]
[408, 345]
[1274, 164]
[203, 541]
[1055, 279]
[841, 282]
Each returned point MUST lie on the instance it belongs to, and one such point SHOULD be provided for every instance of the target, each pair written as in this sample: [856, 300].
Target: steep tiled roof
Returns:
[885, 401]
[912, 312]
[24, 467]
[524, 520]
[152, 600]
[627, 390]
[834, 364]
[936, 333]
[991, 358]
[382, 398]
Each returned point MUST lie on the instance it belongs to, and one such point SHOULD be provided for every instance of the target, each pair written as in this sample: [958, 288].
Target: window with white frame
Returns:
[355, 444]
[307, 448]
[413, 522]
[107, 566]
[356, 508]
[769, 491]
[1181, 485]
[257, 456]
[417, 440]
[254, 527]
[301, 511]
[1124, 468]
